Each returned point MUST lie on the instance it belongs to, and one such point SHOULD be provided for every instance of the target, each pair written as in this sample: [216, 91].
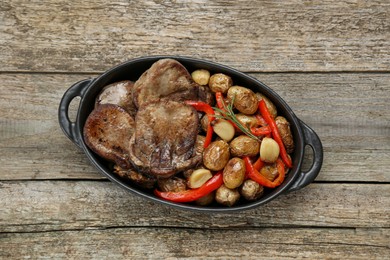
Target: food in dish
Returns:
[192, 138]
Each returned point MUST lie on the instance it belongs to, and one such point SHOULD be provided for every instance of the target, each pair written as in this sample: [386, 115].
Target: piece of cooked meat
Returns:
[164, 138]
[118, 93]
[135, 177]
[107, 132]
[167, 78]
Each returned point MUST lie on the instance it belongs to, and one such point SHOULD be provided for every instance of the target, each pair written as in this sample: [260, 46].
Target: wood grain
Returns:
[91, 36]
[349, 111]
[38, 206]
[162, 243]
[329, 60]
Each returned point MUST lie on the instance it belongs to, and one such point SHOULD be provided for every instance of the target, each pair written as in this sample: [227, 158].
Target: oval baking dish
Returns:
[88, 90]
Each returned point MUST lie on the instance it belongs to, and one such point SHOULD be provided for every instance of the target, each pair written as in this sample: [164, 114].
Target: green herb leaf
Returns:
[229, 115]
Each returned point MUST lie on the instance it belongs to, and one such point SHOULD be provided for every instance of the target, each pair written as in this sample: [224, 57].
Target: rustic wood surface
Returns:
[330, 60]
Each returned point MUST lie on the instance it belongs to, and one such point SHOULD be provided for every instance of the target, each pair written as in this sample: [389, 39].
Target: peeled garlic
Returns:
[269, 150]
[224, 129]
[198, 178]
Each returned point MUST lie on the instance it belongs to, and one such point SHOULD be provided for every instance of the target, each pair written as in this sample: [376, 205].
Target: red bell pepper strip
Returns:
[220, 101]
[275, 132]
[206, 108]
[258, 164]
[209, 136]
[221, 105]
[264, 130]
[191, 195]
[260, 120]
[202, 106]
[254, 174]
[257, 131]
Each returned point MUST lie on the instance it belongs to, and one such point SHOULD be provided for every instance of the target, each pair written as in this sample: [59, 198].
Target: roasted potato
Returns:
[243, 145]
[220, 83]
[199, 144]
[251, 190]
[234, 173]
[269, 150]
[245, 100]
[201, 76]
[173, 184]
[285, 132]
[216, 155]
[226, 196]
[271, 107]
[204, 121]
[247, 120]
[270, 171]
[206, 200]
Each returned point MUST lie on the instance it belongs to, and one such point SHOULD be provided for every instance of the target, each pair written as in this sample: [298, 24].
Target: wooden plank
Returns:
[162, 243]
[350, 112]
[33, 206]
[32, 145]
[92, 36]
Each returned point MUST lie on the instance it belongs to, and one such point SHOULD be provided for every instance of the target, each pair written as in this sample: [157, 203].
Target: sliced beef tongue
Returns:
[135, 177]
[164, 138]
[118, 93]
[107, 131]
[167, 78]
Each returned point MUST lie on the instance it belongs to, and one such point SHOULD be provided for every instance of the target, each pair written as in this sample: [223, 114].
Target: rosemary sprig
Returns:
[229, 115]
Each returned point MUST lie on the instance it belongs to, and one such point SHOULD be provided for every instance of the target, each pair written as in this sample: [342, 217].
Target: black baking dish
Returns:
[88, 89]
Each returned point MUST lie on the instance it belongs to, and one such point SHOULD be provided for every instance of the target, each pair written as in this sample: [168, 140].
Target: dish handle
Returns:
[68, 127]
[311, 139]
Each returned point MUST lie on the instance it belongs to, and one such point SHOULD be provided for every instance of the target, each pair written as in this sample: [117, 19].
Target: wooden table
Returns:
[330, 60]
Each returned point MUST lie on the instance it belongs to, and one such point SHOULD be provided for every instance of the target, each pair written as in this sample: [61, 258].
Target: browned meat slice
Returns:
[107, 131]
[166, 78]
[135, 177]
[118, 93]
[164, 138]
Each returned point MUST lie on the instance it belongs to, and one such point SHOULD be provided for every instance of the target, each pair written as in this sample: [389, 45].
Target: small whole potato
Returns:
[220, 83]
[269, 150]
[269, 171]
[271, 107]
[243, 145]
[216, 155]
[206, 200]
[251, 190]
[247, 120]
[226, 196]
[199, 145]
[245, 100]
[285, 132]
[204, 121]
[234, 173]
[201, 76]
